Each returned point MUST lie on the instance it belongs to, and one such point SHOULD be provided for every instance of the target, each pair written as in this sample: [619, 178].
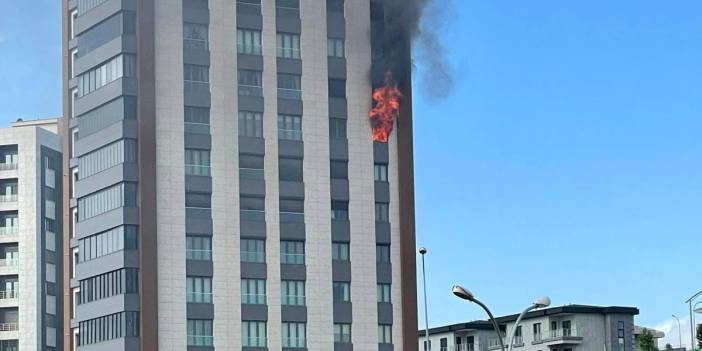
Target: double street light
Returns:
[465, 294]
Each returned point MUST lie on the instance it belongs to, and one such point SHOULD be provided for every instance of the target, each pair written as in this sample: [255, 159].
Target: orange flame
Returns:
[386, 109]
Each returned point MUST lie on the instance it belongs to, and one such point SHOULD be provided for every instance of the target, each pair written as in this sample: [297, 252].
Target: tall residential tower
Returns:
[30, 237]
[225, 189]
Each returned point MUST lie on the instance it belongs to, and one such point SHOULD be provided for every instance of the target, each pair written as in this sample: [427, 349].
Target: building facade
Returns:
[30, 237]
[565, 328]
[225, 191]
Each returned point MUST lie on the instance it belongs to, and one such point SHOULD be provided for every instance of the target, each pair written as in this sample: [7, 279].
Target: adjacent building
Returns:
[565, 328]
[225, 191]
[30, 236]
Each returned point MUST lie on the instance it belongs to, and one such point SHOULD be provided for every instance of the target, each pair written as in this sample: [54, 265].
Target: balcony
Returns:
[9, 331]
[494, 343]
[8, 166]
[8, 197]
[9, 298]
[8, 170]
[562, 336]
[8, 231]
[9, 266]
[464, 347]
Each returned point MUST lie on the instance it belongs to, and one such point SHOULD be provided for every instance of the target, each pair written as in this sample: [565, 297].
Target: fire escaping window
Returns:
[335, 48]
[250, 124]
[249, 83]
[289, 86]
[288, 46]
[248, 42]
[289, 127]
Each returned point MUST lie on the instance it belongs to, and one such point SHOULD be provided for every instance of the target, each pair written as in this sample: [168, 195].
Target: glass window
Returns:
[289, 127]
[195, 36]
[200, 332]
[292, 252]
[342, 291]
[294, 335]
[253, 334]
[250, 124]
[122, 281]
[199, 289]
[340, 251]
[342, 333]
[87, 5]
[248, 41]
[114, 326]
[380, 171]
[120, 195]
[290, 169]
[288, 45]
[337, 128]
[289, 86]
[105, 31]
[292, 292]
[337, 88]
[382, 253]
[253, 291]
[382, 212]
[106, 157]
[384, 293]
[335, 6]
[197, 120]
[339, 170]
[198, 248]
[385, 334]
[197, 162]
[340, 211]
[335, 47]
[250, 83]
[251, 167]
[110, 241]
[108, 72]
[253, 251]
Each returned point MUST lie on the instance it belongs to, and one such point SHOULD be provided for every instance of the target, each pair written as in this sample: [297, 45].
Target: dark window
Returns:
[248, 41]
[198, 248]
[342, 291]
[289, 86]
[289, 127]
[114, 326]
[382, 213]
[292, 252]
[339, 170]
[340, 251]
[250, 83]
[105, 31]
[122, 281]
[195, 36]
[195, 4]
[201, 200]
[443, 342]
[252, 208]
[197, 120]
[290, 169]
[337, 88]
[380, 171]
[105, 243]
[382, 252]
[251, 167]
[340, 211]
[337, 128]
[253, 251]
[200, 332]
[250, 124]
[335, 6]
[621, 336]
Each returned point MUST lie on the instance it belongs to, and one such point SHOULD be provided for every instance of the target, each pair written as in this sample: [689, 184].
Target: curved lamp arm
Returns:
[516, 325]
[494, 323]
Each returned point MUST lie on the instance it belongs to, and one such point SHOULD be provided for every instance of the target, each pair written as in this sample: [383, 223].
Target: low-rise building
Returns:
[564, 328]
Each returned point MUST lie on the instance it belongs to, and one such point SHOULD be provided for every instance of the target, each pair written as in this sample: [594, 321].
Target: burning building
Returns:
[220, 178]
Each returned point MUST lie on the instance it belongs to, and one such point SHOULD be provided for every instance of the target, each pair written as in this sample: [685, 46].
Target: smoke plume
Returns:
[420, 20]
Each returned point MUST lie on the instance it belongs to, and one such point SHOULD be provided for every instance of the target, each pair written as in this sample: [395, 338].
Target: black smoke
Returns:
[417, 21]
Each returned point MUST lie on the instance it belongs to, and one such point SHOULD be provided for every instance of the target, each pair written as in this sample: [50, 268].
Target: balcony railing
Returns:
[9, 326]
[464, 347]
[8, 166]
[197, 128]
[495, 342]
[196, 86]
[200, 340]
[251, 173]
[289, 94]
[253, 256]
[9, 231]
[250, 90]
[562, 333]
[291, 258]
[294, 217]
[199, 297]
[9, 295]
[198, 255]
[198, 212]
[289, 134]
[252, 215]
[294, 342]
[8, 197]
[254, 342]
[9, 262]
[195, 44]
[253, 299]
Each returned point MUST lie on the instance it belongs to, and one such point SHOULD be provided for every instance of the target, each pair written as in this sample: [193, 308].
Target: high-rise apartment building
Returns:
[30, 236]
[225, 189]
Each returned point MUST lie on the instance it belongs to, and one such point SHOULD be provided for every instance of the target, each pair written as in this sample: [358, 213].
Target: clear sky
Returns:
[567, 160]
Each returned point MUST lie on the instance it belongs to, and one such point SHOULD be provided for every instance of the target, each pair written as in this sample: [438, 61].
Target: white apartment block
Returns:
[30, 236]
[565, 328]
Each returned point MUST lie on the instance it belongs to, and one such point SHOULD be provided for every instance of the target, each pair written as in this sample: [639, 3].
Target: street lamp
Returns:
[679, 330]
[423, 251]
[538, 303]
[465, 294]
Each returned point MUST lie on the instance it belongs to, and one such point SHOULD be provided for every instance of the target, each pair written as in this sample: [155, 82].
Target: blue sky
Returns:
[566, 161]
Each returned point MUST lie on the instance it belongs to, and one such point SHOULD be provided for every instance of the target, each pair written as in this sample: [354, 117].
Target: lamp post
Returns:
[465, 294]
[423, 251]
[679, 331]
[692, 317]
[538, 303]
